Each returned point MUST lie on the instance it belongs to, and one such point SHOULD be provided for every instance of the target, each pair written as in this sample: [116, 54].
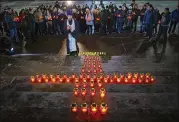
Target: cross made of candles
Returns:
[91, 83]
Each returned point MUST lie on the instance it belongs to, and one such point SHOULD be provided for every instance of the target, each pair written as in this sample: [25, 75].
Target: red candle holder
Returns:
[103, 108]
[93, 108]
[77, 84]
[46, 80]
[82, 70]
[152, 79]
[32, 79]
[142, 75]
[134, 80]
[106, 80]
[102, 93]
[119, 80]
[99, 84]
[74, 107]
[92, 83]
[73, 76]
[39, 80]
[53, 80]
[121, 76]
[126, 80]
[93, 92]
[84, 108]
[147, 80]
[136, 75]
[84, 84]
[129, 76]
[147, 75]
[83, 92]
[140, 80]
[76, 91]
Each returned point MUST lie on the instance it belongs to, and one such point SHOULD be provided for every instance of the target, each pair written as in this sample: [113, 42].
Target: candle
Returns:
[102, 93]
[32, 78]
[76, 91]
[74, 107]
[147, 75]
[118, 80]
[136, 75]
[103, 108]
[152, 79]
[83, 91]
[93, 108]
[92, 91]
[84, 107]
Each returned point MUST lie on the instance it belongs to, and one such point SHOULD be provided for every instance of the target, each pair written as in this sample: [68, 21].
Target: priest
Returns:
[71, 28]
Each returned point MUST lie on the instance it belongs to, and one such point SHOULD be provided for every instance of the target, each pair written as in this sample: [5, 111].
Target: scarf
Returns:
[72, 25]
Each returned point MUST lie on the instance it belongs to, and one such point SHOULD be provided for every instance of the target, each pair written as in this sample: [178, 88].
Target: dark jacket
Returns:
[142, 13]
[165, 19]
[149, 17]
[135, 14]
[175, 15]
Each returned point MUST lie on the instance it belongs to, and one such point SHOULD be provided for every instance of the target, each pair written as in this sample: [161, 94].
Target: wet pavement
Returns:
[21, 100]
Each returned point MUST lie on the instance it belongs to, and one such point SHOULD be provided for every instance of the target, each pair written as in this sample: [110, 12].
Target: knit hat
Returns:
[69, 12]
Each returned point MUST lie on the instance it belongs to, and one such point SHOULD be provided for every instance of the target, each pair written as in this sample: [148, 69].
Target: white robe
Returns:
[72, 40]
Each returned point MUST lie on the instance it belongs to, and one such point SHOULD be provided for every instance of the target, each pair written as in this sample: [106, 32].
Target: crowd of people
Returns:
[103, 19]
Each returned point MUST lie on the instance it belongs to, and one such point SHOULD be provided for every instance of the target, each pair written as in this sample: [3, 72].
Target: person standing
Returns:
[149, 21]
[120, 19]
[89, 21]
[135, 14]
[163, 28]
[142, 13]
[71, 28]
[174, 20]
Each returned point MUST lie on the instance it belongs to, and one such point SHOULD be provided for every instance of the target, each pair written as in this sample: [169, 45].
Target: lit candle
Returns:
[102, 93]
[126, 80]
[76, 91]
[134, 80]
[136, 75]
[152, 79]
[32, 78]
[147, 75]
[119, 80]
[92, 91]
[83, 91]
[93, 108]
[84, 107]
[103, 108]
[74, 107]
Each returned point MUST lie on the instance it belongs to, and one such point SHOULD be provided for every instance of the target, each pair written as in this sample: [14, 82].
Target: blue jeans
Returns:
[13, 32]
[119, 27]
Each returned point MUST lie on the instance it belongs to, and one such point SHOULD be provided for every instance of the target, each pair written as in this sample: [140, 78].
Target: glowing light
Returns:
[103, 108]
[74, 107]
[32, 79]
[69, 2]
[92, 91]
[84, 107]
[94, 108]
[76, 91]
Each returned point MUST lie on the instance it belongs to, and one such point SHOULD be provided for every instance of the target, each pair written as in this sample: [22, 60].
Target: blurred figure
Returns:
[71, 31]
[30, 18]
[120, 19]
[39, 21]
[82, 22]
[89, 21]
[174, 20]
[97, 21]
[129, 19]
[163, 28]
[142, 13]
[104, 20]
[11, 26]
[110, 21]
[135, 14]
[149, 21]
[156, 20]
